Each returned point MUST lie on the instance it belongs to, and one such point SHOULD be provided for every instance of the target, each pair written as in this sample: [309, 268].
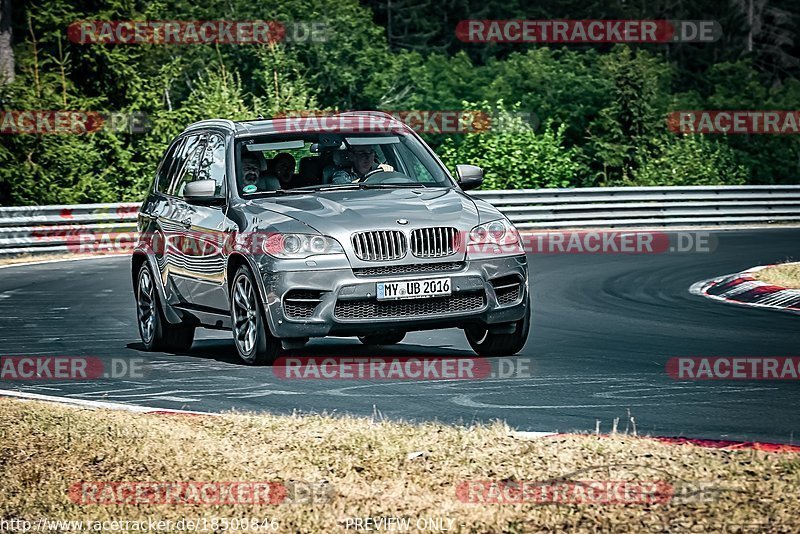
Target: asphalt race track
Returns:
[603, 329]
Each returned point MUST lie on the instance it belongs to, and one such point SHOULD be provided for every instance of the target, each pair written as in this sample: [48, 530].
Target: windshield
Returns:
[310, 161]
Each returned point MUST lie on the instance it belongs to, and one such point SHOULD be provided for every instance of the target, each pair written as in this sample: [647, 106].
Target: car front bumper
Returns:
[316, 303]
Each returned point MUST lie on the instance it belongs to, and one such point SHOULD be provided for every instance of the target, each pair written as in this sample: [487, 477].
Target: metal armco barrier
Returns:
[647, 207]
[27, 230]
[58, 229]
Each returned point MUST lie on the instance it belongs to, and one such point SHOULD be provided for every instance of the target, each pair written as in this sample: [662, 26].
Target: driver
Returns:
[251, 169]
[364, 162]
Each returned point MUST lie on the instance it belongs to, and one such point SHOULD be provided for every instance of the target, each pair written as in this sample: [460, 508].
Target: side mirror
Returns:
[469, 176]
[200, 190]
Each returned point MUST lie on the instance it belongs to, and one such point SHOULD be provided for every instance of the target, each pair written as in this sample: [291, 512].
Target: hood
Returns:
[343, 212]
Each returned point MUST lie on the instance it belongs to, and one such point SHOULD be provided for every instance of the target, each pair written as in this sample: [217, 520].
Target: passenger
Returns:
[281, 168]
[364, 162]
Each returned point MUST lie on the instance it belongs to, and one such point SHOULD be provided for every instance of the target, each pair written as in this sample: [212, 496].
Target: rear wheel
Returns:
[254, 343]
[156, 333]
[383, 339]
[489, 344]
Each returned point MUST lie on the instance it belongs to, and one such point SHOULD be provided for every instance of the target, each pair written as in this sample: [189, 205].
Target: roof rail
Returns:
[211, 122]
[382, 114]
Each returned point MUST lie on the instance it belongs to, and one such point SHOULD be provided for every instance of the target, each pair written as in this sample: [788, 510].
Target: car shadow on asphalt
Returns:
[223, 351]
[219, 350]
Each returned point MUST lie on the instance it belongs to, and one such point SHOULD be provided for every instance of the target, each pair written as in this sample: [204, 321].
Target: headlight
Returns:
[298, 246]
[494, 238]
[499, 232]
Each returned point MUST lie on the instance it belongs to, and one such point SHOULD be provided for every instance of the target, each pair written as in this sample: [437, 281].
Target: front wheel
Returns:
[254, 343]
[156, 333]
[488, 344]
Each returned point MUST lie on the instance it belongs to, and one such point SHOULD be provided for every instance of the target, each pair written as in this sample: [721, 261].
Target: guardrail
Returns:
[59, 229]
[647, 207]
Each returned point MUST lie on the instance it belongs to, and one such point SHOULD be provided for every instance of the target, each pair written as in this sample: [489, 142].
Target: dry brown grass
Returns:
[44, 448]
[784, 275]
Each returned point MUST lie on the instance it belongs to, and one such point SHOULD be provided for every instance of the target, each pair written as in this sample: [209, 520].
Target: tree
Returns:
[6, 51]
[512, 154]
[623, 135]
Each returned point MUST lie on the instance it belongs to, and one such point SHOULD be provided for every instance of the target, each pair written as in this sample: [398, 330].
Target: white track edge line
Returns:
[134, 408]
[102, 405]
[59, 260]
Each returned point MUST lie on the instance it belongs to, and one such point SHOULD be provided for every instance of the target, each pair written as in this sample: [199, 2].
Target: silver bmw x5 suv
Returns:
[345, 225]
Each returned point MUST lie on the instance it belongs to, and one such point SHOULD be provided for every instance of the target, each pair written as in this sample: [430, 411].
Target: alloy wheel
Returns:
[245, 312]
[146, 306]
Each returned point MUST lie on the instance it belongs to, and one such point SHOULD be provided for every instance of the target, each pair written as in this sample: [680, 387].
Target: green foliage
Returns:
[564, 86]
[602, 109]
[623, 134]
[515, 156]
[771, 159]
[692, 160]
[55, 169]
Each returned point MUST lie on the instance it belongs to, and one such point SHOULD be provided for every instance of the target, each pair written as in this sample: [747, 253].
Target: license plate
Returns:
[414, 289]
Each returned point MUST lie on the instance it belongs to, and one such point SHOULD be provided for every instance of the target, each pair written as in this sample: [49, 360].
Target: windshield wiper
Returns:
[386, 186]
[289, 191]
[358, 185]
[280, 191]
[335, 187]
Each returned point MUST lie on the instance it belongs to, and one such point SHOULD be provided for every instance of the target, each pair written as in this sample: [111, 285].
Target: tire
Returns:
[157, 334]
[383, 339]
[488, 345]
[254, 343]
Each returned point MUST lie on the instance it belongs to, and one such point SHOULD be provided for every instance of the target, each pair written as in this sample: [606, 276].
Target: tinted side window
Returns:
[163, 176]
[212, 164]
[179, 167]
